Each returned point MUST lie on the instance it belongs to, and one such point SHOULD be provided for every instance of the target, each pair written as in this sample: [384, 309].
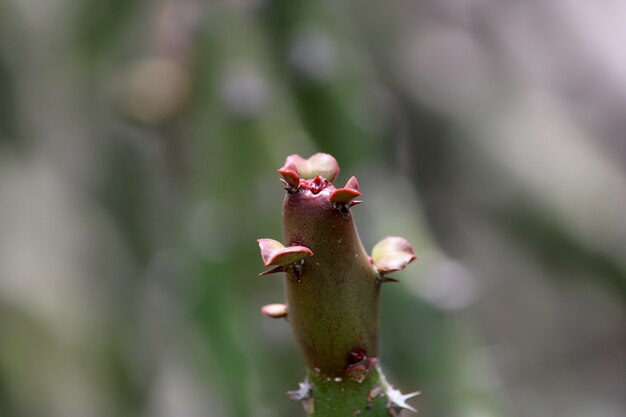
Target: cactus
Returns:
[333, 290]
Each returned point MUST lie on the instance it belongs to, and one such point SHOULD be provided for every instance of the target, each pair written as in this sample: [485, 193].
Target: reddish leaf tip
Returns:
[347, 193]
[352, 184]
[290, 174]
[275, 253]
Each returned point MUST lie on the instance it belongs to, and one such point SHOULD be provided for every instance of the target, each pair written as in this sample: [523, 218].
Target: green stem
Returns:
[342, 397]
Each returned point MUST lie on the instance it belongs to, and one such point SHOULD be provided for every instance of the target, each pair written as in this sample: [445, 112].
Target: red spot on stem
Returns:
[316, 185]
[357, 355]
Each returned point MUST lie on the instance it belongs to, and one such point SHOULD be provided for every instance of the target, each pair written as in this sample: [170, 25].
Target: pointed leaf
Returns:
[269, 247]
[346, 194]
[392, 254]
[290, 174]
[275, 253]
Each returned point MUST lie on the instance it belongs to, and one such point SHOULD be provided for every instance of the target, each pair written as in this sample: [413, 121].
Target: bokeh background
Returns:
[138, 146]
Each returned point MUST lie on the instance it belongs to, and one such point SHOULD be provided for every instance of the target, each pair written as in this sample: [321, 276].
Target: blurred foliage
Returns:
[138, 147]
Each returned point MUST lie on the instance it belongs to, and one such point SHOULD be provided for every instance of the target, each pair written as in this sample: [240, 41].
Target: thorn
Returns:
[275, 311]
[381, 279]
[344, 208]
[398, 400]
[303, 391]
[273, 270]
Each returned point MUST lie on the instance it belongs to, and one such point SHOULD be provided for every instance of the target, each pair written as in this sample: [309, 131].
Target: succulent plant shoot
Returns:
[333, 292]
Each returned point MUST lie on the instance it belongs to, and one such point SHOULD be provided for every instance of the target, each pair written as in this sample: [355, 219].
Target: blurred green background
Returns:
[138, 146]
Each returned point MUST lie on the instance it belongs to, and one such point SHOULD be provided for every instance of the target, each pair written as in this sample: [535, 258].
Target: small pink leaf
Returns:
[297, 161]
[269, 247]
[352, 184]
[324, 165]
[290, 174]
[290, 255]
[274, 311]
[392, 254]
[346, 194]
[320, 164]
[275, 253]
